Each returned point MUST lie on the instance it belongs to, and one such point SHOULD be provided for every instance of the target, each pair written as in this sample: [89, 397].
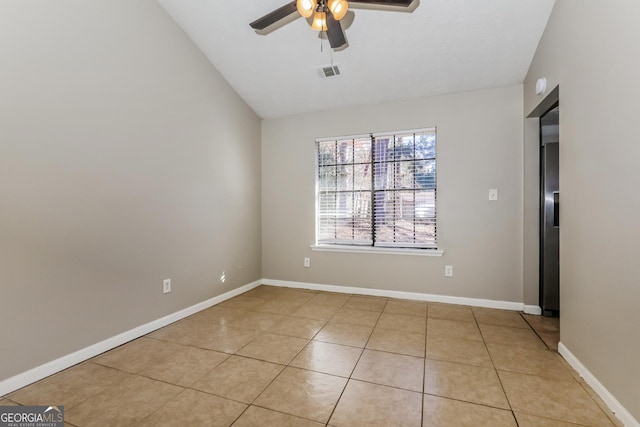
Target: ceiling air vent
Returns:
[329, 71]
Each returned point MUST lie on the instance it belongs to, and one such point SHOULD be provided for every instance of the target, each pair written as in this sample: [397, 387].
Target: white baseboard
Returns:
[533, 309]
[476, 302]
[16, 382]
[616, 407]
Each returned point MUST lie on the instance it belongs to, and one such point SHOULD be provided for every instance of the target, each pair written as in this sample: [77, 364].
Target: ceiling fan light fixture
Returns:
[338, 8]
[306, 7]
[319, 21]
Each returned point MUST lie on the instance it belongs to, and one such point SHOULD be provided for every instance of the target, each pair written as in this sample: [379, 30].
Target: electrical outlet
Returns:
[166, 286]
[448, 270]
[307, 262]
[223, 277]
[493, 194]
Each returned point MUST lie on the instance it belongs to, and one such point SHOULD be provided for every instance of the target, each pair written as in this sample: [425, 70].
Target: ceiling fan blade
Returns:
[334, 32]
[275, 16]
[397, 3]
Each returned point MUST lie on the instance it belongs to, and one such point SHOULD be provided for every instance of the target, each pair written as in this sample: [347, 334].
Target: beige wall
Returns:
[480, 138]
[125, 158]
[591, 49]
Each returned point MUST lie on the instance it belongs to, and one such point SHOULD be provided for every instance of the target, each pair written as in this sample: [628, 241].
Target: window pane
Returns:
[383, 149]
[362, 177]
[425, 204]
[425, 173]
[404, 175]
[345, 178]
[327, 178]
[345, 151]
[326, 203]
[326, 153]
[362, 150]
[426, 145]
[403, 148]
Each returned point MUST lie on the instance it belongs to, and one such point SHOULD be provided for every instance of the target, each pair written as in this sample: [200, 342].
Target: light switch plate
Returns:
[493, 194]
[448, 271]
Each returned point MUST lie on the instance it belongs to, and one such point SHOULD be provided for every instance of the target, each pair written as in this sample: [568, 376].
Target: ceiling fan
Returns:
[326, 15]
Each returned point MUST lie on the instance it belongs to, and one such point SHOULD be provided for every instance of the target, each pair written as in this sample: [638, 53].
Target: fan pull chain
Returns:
[322, 46]
[331, 56]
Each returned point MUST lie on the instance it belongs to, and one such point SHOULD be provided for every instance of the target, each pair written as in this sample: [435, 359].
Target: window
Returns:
[377, 190]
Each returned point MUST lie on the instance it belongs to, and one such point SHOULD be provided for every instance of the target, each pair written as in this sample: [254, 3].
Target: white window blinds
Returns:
[378, 190]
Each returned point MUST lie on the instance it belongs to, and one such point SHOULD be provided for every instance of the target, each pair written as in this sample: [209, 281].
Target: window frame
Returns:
[387, 247]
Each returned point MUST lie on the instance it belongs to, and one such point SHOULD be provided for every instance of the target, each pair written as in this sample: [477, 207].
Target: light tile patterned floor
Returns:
[291, 357]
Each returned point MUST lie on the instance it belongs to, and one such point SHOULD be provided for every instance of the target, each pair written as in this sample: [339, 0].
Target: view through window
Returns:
[377, 190]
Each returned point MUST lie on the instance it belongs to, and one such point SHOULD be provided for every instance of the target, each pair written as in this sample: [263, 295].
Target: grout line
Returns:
[424, 364]
[587, 389]
[469, 402]
[160, 408]
[219, 395]
[390, 386]
[537, 334]
[241, 414]
[286, 413]
[495, 370]
[358, 361]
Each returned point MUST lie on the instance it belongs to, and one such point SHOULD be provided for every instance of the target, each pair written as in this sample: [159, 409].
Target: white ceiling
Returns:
[443, 46]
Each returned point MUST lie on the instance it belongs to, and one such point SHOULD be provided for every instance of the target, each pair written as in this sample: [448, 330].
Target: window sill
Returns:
[381, 251]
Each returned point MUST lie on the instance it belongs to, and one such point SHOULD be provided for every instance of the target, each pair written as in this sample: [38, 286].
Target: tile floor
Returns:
[290, 357]
[547, 328]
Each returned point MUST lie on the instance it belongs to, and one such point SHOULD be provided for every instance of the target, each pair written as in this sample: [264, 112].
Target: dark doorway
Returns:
[550, 212]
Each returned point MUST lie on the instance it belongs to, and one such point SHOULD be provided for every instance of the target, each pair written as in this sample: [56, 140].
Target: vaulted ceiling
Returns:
[442, 46]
